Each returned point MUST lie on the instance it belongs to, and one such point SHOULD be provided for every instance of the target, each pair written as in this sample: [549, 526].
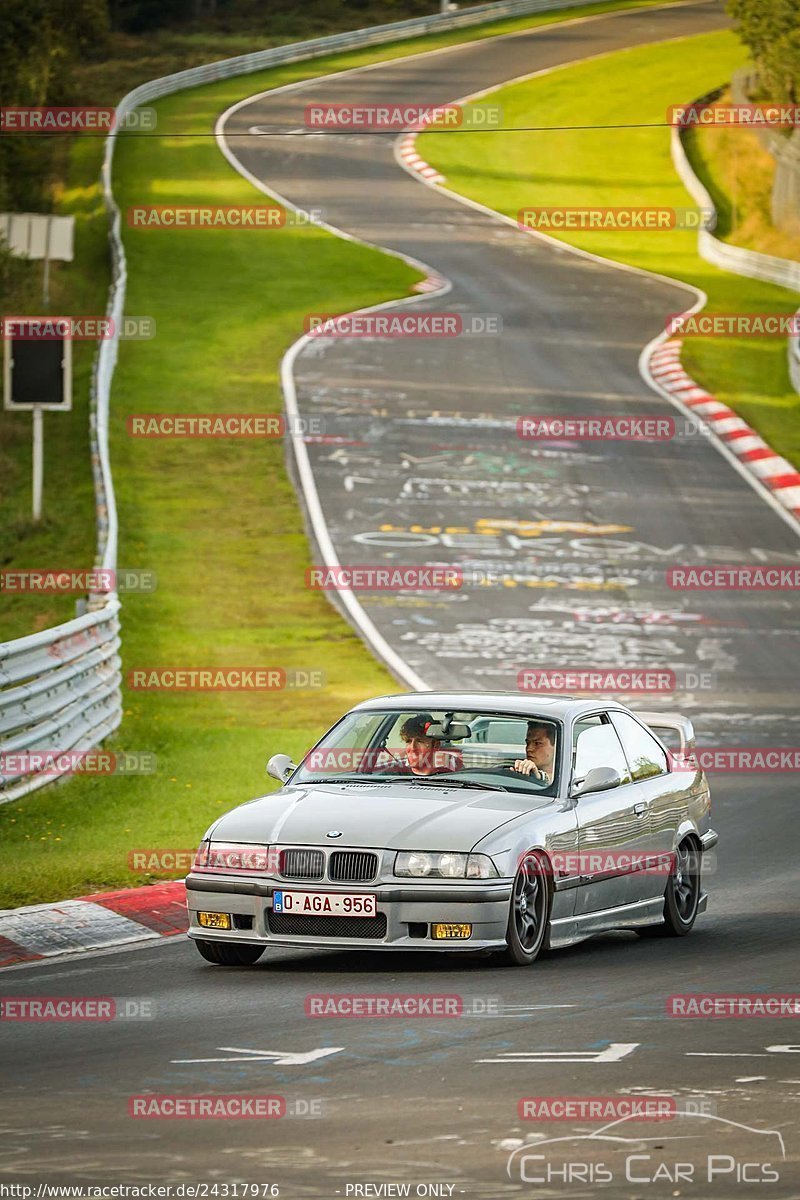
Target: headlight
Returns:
[235, 857]
[443, 864]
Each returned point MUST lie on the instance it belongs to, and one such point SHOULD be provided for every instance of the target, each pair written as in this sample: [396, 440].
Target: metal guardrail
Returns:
[783, 271]
[60, 689]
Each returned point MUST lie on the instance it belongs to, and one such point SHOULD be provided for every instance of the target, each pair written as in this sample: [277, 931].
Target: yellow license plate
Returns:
[214, 920]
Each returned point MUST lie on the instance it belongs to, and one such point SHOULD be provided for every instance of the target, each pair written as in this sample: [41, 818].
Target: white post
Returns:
[46, 276]
[38, 462]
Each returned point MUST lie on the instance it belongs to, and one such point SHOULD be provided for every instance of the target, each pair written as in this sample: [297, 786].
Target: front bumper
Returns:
[409, 909]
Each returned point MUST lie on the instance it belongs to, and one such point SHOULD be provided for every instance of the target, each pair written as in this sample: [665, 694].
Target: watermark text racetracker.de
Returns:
[597, 1108]
[751, 324]
[84, 328]
[223, 679]
[382, 1005]
[403, 325]
[736, 1005]
[366, 578]
[761, 577]
[615, 679]
[193, 217]
[52, 580]
[608, 428]
[65, 1009]
[765, 115]
[231, 1107]
[222, 425]
[14, 764]
[91, 118]
[630, 218]
[398, 115]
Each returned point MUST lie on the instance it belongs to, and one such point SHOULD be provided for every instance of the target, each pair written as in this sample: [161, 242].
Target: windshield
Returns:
[466, 749]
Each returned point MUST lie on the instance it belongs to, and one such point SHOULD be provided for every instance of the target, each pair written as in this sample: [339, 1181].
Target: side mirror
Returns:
[599, 779]
[280, 767]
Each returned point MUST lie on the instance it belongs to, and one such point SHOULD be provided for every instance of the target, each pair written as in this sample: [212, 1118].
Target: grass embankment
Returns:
[632, 166]
[739, 174]
[217, 521]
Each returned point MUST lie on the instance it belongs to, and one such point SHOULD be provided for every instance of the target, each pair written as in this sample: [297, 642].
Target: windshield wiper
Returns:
[354, 777]
[430, 780]
[442, 781]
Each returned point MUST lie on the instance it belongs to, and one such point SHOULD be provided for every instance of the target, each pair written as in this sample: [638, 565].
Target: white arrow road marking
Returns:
[351, 480]
[613, 1052]
[784, 1049]
[279, 1058]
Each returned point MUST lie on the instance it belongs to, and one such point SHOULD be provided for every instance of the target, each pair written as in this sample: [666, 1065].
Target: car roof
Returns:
[561, 708]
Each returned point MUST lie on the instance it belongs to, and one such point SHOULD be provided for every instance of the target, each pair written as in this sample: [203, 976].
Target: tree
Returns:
[44, 38]
[771, 31]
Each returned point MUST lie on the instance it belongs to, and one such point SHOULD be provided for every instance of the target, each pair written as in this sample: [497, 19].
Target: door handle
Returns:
[640, 809]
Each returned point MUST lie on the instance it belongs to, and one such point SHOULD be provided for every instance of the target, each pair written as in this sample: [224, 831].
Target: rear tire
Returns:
[529, 913]
[229, 954]
[682, 895]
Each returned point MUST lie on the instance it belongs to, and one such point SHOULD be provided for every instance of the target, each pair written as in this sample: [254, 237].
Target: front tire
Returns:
[229, 954]
[682, 895]
[529, 912]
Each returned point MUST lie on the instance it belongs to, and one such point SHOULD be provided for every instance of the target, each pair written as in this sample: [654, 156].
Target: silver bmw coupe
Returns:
[474, 822]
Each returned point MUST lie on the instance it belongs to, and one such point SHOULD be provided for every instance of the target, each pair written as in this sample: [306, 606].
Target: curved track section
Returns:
[430, 469]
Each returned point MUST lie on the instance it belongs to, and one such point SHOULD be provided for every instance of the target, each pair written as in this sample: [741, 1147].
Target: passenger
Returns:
[540, 752]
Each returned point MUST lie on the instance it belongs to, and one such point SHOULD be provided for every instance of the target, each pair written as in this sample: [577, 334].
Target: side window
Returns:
[645, 756]
[597, 745]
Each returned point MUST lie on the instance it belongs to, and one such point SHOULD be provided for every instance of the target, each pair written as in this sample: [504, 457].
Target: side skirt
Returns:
[568, 930]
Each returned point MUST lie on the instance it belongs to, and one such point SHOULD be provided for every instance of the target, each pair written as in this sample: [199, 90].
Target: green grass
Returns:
[217, 521]
[510, 171]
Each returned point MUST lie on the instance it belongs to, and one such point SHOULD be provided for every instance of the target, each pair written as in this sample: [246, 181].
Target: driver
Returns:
[424, 755]
[540, 752]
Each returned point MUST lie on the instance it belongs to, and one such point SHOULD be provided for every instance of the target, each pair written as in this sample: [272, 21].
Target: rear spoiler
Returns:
[666, 726]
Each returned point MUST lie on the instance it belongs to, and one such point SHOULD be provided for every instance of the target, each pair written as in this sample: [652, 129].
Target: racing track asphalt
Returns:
[411, 1101]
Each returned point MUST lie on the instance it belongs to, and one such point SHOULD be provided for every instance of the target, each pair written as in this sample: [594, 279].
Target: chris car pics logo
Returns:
[699, 1150]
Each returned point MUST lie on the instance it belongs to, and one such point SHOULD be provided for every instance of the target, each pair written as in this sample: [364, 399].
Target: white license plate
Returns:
[324, 904]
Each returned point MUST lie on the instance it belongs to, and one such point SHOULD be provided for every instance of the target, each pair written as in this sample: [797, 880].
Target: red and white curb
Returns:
[407, 153]
[774, 472]
[431, 283]
[96, 922]
[408, 157]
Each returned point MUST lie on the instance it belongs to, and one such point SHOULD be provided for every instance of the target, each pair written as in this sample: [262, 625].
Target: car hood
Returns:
[391, 816]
